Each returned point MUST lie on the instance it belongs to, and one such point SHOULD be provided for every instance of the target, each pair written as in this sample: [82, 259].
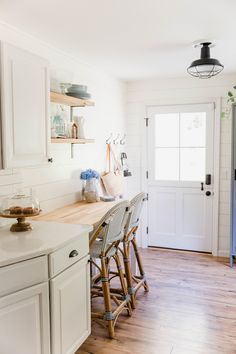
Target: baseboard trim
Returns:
[223, 253]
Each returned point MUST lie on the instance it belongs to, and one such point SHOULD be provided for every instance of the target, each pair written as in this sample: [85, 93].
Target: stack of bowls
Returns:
[78, 91]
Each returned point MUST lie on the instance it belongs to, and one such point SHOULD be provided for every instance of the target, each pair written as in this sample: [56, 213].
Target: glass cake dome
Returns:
[20, 205]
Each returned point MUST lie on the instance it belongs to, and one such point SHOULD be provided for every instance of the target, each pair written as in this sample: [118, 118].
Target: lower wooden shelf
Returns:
[71, 141]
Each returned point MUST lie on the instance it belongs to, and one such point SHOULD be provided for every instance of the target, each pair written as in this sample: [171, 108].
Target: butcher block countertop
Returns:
[79, 213]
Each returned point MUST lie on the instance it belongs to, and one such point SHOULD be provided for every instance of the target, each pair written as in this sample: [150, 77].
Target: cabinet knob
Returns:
[208, 193]
[50, 160]
[73, 253]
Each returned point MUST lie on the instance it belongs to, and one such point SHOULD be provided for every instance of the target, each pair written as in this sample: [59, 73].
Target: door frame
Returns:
[216, 170]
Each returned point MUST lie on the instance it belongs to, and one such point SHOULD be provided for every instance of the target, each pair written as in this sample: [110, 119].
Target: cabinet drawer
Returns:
[68, 255]
[23, 274]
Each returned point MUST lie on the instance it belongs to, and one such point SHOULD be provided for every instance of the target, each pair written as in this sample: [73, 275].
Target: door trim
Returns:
[216, 169]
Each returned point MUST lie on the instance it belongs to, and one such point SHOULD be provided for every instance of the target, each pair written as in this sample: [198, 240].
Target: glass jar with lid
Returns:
[20, 204]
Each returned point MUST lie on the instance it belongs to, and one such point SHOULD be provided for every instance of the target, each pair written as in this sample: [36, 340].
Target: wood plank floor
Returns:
[191, 308]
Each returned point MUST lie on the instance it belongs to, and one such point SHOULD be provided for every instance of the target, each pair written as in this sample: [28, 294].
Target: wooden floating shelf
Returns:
[69, 100]
[71, 141]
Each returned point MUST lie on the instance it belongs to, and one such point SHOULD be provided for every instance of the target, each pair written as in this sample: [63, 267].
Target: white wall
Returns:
[59, 184]
[176, 91]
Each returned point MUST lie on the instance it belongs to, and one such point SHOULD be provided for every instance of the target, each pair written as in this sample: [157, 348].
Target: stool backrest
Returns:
[113, 223]
[115, 230]
[135, 209]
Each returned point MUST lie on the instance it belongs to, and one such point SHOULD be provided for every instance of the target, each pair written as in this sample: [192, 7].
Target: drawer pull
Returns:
[73, 253]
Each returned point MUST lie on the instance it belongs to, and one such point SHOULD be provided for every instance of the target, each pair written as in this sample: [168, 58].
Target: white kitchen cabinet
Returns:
[44, 289]
[24, 321]
[70, 308]
[24, 107]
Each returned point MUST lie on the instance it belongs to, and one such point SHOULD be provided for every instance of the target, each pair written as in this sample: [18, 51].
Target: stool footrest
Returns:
[131, 291]
[108, 316]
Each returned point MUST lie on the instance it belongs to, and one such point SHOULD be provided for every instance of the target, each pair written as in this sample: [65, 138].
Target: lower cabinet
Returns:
[70, 308]
[24, 321]
[52, 317]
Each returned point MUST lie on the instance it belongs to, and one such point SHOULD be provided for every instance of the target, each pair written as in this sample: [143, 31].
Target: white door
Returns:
[24, 107]
[70, 308]
[24, 321]
[180, 183]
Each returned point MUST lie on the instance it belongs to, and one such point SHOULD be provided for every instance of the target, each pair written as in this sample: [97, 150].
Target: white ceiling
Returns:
[130, 39]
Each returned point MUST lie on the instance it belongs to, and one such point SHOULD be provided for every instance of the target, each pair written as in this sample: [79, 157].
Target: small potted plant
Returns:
[90, 189]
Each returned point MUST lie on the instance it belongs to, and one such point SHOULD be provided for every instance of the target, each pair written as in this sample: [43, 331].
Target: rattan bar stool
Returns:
[134, 281]
[104, 243]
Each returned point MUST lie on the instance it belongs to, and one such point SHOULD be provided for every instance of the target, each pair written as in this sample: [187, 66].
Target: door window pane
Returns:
[192, 164]
[167, 130]
[167, 164]
[180, 146]
[193, 129]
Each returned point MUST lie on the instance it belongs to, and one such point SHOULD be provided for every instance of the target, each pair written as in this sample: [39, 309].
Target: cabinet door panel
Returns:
[70, 308]
[24, 321]
[25, 103]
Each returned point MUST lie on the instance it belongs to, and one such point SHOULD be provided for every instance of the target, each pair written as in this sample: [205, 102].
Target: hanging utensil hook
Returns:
[116, 140]
[108, 141]
[122, 141]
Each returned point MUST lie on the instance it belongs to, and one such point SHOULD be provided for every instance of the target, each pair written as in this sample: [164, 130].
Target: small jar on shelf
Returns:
[74, 133]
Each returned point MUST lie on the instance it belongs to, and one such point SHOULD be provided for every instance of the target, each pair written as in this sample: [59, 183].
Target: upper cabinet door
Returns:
[25, 95]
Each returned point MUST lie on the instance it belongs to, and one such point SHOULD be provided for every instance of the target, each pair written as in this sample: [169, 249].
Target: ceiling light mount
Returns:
[205, 67]
[199, 43]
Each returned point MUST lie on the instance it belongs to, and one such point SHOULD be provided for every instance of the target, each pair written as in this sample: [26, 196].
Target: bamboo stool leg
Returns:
[140, 263]
[109, 317]
[122, 283]
[128, 273]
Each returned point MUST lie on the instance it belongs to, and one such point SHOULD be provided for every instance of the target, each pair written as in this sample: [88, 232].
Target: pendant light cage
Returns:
[205, 67]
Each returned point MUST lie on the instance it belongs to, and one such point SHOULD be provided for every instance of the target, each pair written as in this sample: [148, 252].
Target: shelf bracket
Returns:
[72, 150]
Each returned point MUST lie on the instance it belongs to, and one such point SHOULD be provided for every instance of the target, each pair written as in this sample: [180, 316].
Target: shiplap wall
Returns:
[178, 91]
[58, 184]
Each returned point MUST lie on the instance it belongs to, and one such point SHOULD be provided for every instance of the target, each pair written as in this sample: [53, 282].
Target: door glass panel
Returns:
[180, 146]
[167, 130]
[167, 164]
[192, 164]
[193, 129]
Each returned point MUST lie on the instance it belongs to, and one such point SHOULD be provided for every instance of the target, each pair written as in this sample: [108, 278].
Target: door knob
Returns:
[208, 193]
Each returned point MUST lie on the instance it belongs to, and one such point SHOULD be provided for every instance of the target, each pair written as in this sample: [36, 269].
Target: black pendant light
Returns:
[205, 67]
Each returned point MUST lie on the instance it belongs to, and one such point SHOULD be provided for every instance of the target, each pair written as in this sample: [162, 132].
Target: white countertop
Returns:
[45, 238]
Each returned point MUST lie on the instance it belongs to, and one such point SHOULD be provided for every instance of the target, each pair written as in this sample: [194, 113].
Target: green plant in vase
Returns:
[231, 98]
